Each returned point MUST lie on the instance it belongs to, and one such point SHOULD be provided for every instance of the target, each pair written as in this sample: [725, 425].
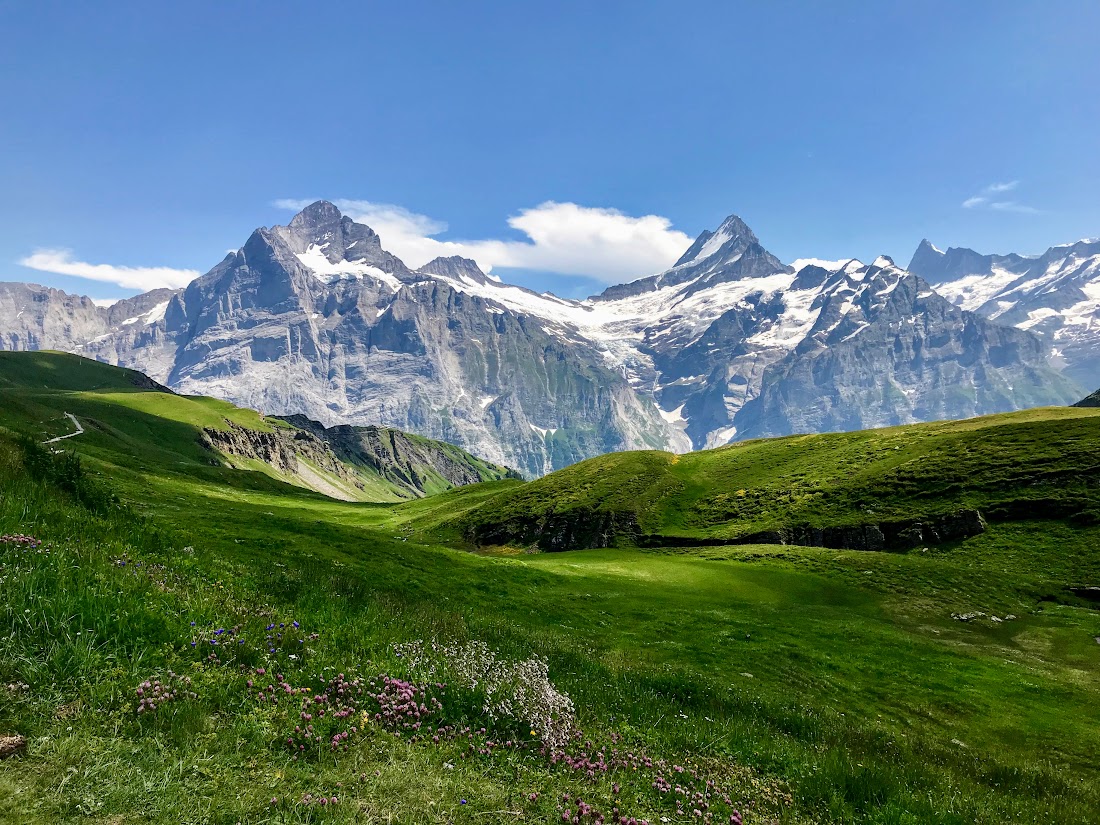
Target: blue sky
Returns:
[159, 135]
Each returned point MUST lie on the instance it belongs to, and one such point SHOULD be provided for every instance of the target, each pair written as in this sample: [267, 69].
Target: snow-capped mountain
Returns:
[1055, 295]
[316, 317]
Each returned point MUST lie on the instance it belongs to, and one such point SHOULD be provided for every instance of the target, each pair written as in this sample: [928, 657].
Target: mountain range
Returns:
[316, 318]
[1055, 295]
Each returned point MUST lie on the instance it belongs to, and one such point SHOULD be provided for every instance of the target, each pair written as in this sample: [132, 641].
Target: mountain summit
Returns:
[731, 252]
[317, 318]
[729, 240]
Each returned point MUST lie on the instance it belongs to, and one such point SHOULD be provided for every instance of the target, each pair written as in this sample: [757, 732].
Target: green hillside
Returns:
[1035, 463]
[133, 423]
[952, 683]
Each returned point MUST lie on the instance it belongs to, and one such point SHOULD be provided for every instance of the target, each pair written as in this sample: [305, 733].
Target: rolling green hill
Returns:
[954, 682]
[894, 488]
[129, 419]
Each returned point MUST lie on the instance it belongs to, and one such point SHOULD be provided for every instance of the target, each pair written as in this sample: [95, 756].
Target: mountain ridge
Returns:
[1055, 295]
[317, 318]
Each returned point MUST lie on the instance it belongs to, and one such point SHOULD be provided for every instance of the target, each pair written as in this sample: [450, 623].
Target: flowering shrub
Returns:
[154, 693]
[403, 705]
[518, 691]
[341, 708]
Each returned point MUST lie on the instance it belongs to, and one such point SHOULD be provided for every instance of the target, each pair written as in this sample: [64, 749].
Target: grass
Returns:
[813, 685]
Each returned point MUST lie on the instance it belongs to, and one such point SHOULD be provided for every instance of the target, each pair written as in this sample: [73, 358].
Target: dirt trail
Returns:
[79, 430]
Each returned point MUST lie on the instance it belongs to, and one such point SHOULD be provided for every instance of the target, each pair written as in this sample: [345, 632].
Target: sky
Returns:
[565, 145]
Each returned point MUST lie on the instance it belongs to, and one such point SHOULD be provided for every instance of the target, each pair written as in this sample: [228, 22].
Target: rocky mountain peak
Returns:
[929, 261]
[731, 237]
[734, 226]
[320, 233]
[730, 253]
[318, 214]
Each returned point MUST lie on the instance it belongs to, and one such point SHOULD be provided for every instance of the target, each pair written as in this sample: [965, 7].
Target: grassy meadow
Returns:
[446, 682]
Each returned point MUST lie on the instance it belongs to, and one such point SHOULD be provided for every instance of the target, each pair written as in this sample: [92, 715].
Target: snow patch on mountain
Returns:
[329, 272]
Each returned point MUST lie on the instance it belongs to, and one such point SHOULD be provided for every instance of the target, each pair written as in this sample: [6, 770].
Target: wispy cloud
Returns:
[566, 238]
[987, 199]
[60, 261]
[1013, 206]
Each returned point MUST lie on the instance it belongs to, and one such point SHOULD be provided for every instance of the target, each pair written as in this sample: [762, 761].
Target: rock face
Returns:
[316, 318]
[1055, 295]
[37, 317]
[584, 528]
[886, 349]
[280, 448]
[413, 466]
[406, 461]
[581, 528]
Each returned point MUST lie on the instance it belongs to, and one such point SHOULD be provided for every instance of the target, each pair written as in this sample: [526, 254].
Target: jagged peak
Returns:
[318, 213]
[732, 233]
[734, 226]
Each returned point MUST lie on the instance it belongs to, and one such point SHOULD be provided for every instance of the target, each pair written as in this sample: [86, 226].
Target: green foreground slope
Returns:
[804, 684]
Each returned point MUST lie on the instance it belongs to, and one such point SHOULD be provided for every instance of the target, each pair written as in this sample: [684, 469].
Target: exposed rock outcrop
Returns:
[280, 448]
[412, 466]
[897, 535]
[403, 459]
[581, 528]
[1091, 401]
[584, 528]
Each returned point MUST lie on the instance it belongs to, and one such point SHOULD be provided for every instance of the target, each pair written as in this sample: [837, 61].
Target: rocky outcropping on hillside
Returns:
[405, 460]
[281, 448]
[584, 528]
[411, 466]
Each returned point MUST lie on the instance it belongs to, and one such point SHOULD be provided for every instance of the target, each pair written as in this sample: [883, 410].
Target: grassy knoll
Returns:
[1043, 462]
[808, 685]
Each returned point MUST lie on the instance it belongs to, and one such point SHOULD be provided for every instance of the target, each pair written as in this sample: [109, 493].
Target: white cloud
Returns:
[566, 238]
[1012, 206]
[60, 261]
[984, 200]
